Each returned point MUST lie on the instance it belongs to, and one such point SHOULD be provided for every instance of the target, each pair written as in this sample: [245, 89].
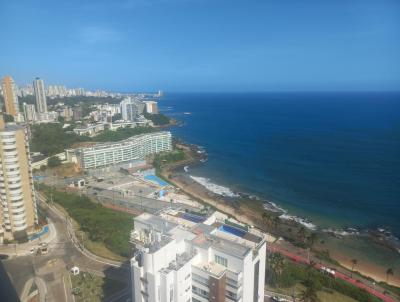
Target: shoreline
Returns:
[229, 202]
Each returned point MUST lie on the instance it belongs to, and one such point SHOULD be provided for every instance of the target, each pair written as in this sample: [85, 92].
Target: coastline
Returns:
[238, 206]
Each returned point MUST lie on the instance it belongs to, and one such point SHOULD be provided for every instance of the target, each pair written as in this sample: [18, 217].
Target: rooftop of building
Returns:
[123, 142]
[221, 237]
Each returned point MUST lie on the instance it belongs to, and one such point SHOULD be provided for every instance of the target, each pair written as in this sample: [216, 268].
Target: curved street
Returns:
[53, 268]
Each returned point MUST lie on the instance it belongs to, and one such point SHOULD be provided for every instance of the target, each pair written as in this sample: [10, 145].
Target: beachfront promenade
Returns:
[303, 260]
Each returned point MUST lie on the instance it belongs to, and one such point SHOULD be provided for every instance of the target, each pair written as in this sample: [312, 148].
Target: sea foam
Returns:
[217, 189]
[308, 224]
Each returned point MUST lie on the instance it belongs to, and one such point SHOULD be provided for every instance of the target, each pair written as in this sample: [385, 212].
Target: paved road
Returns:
[53, 267]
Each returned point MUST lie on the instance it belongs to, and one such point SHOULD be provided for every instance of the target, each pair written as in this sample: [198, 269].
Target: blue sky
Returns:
[203, 45]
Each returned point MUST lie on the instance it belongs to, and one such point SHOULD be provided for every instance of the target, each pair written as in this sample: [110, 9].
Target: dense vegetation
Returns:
[285, 274]
[121, 134]
[107, 226]
[50, 139]
[158, 119]
[61, 138]
[165, 158]
[53, 162]
[8, 118]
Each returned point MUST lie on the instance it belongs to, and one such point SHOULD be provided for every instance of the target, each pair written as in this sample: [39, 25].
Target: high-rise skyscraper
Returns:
[18, 214]
[40, 93]
[131, 109]
[10, 96]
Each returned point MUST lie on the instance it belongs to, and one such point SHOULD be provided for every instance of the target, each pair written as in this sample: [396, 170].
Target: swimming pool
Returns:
[156, 179]
[232, 230]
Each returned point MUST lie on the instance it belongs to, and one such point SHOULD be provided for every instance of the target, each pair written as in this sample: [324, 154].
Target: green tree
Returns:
[117, 117]
[61, 119]
[301, 233]
[158, 119]
[267, 218]
[8, 118]
[276, 262]
[312, 239]
[53, 161]
[309, 294]
[390, 272]
[276, 221]
[353, 264]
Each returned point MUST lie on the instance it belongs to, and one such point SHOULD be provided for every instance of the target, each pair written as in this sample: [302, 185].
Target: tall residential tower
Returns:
[10, 96]
[18, 214]
[40, 93]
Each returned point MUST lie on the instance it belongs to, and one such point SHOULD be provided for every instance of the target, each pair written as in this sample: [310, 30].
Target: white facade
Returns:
[90, 130]
[40, 94]
[178, 258]
[29, 112]
[131, 109]
[135, 147]
[46, 117]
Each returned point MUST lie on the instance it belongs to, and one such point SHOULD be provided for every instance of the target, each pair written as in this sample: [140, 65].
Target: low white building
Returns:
[90, 129]
[135, 147]
[185, 257]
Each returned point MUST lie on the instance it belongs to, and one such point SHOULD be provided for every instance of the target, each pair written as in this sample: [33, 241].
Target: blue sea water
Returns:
[332, 157]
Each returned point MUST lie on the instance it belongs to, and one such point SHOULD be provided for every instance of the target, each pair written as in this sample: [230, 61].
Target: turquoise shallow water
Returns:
[333, 157]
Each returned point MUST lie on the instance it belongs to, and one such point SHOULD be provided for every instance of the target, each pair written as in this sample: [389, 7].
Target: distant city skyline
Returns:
[202, 45]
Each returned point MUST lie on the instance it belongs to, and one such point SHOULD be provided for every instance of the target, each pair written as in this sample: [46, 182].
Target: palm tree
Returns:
[389, 272]
[267, 218]
[312, 238]
[277, 263]
[353, 264]
[302, 233]
[309, 294]
[275, 221]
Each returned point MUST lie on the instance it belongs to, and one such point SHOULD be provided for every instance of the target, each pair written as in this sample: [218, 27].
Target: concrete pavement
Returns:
[54, 267]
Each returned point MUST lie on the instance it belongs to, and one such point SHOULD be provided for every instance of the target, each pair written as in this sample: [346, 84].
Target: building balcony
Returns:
[18, 211]
[20, 227]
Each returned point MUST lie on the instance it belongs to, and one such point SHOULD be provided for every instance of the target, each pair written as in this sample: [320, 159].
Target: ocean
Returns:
[333, 158]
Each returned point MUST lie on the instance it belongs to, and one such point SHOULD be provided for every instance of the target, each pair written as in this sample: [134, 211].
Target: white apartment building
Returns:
[131, 109]
[40, 94]
[135, 147]
[90, 129]
[185, 257]
[29, 112]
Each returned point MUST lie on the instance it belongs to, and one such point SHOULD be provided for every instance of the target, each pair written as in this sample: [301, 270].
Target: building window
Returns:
[221, 260]
[256, 281]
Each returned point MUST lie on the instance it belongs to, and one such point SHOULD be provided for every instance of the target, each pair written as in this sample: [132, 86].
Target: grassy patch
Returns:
[325, 256]
[102, 225]
[99, 249]
[91, 288]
